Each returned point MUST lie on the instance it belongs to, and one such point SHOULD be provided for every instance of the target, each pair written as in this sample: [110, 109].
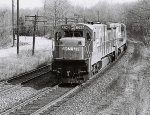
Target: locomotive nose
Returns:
[72, 48]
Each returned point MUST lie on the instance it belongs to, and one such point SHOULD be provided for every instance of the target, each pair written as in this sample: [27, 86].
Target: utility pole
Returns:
[37, 23]
[66, 20]
[98, 15]
[44, 28]
[13, 23]
[44, 14]
[35, 20]
[18, 27]
[84, 20]
[79, 18]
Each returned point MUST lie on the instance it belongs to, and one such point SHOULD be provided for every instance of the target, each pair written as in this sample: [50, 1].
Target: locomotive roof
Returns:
[91, 26]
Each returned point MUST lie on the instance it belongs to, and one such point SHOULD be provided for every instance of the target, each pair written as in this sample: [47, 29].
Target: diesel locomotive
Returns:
[81, 50]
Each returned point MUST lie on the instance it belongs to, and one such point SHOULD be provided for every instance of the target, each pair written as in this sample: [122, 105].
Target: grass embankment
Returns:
[135, 99]
[14, 65]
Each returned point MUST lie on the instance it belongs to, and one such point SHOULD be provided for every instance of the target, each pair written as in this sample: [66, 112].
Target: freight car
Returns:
[81, 50]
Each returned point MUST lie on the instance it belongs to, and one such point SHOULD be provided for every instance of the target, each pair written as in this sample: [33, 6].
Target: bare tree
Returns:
[5, 27]
[56, 10]
[138, 18]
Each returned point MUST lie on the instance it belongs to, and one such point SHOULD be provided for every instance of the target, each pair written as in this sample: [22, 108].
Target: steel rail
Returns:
[29, 100]
[26, 73]
[59, 99]
[102, 71]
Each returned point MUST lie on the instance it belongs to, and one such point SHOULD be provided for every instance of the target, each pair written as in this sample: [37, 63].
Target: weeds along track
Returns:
[53, 99]
[5, 87]
[29, 75]
[45, 109]
[15, 83]
[48, 97]
[39, 100]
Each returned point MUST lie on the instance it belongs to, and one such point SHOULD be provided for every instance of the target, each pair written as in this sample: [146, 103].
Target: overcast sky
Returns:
[39, 3]
[89, 3]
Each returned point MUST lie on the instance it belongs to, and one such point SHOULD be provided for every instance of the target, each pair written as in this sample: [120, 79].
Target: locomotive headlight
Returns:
[79, 43]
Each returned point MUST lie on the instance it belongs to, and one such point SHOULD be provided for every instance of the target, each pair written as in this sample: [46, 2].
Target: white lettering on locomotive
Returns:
[65, 27]
[70, 49]
[80, 27]
[73, 27]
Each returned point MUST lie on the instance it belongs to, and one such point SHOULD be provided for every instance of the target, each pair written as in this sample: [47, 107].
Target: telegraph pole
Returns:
[18, 27]
[36, 16]
[44, 29]
[98, 15]
[66, 20]
[35, 20]
[13, 23]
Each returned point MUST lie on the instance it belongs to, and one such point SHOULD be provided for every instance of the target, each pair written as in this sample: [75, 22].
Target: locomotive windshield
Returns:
[73, 33]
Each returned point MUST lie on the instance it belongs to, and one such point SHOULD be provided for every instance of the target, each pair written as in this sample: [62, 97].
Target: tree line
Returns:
[135, 15]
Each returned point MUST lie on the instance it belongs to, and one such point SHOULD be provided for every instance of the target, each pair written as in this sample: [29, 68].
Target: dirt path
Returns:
[135, 98]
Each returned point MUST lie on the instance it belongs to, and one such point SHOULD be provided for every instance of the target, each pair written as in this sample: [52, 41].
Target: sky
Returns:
[39, 3]
[90, 3]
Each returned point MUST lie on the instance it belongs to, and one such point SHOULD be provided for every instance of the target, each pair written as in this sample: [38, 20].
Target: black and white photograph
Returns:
[74, 57]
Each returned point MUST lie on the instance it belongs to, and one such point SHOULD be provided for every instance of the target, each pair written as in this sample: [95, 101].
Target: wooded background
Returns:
[135, 15]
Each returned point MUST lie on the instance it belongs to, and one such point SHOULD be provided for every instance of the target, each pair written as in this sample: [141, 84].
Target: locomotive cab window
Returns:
[88, 36]
[58, 35]
[73, 33]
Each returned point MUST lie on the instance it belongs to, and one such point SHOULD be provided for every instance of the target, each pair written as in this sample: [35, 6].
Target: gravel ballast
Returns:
[8, 99]
[100, 94]
[122, 90]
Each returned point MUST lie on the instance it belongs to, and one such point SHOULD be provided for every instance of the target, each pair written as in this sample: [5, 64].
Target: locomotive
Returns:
[81, 50]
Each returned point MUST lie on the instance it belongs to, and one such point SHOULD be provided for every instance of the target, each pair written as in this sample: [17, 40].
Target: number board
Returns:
[72, 27]
[66, 27]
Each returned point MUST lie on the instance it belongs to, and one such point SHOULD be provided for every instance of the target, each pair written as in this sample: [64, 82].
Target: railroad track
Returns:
[49, 97]
[6, 86]
[15, 83]
[29, 75]
[40, 99]
[45, 109]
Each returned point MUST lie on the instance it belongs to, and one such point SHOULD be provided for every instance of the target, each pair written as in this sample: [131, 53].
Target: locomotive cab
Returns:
[72, 51]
